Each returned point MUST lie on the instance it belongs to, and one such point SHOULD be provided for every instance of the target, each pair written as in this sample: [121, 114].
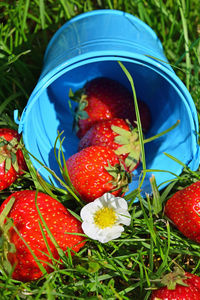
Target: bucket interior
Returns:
[50, 113]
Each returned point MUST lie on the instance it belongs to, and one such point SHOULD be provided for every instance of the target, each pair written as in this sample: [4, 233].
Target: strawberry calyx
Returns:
[171, 279]
[129, 144]
[79, 113]
[120, 178]
[6, 246]
[8, 150]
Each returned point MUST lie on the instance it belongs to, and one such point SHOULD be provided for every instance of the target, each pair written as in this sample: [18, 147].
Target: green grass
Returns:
[128, 267]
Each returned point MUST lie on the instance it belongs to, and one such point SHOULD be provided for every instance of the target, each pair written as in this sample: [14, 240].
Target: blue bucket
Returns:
[89, 46]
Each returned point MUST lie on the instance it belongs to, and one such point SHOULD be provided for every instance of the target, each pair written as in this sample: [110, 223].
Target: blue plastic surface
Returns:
[89, 46]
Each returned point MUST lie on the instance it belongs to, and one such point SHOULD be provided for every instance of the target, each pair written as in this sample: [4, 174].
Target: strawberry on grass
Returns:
[178, 285]
[12, 161]
[183, 209]
[96, 170]
[104, 98]
[23, 245]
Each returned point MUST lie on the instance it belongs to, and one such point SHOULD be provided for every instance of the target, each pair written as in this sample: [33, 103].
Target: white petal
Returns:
[88, 211]
[124, 218]
[90, 229]
[98, 202]
[108, 234]
[108, 197]
[119, 203]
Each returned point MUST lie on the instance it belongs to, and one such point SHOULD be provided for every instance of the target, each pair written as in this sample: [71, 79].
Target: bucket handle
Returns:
[19, 121]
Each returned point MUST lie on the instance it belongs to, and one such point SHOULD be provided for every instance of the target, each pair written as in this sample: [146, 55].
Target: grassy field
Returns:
[126, 268]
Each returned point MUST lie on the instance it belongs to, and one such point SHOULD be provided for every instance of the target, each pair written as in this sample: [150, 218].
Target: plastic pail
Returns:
[89, 46]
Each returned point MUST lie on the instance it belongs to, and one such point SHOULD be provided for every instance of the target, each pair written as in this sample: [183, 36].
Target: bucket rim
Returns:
[99, 12]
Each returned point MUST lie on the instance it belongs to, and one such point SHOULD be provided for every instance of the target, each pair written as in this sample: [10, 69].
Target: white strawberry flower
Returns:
[103, 218]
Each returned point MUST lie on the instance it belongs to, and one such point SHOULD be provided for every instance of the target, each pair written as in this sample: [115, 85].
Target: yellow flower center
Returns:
[105, 217]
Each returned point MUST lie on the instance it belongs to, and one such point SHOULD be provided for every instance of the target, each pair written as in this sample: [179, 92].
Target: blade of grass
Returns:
[141, 140]
[182, 7]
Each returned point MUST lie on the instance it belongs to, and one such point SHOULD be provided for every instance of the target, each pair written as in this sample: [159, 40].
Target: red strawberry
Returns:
[178, 287]
[103, 98]
[183, 208]
[12, 161]
[119, 136]
[26, 219]
[96, 170]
